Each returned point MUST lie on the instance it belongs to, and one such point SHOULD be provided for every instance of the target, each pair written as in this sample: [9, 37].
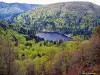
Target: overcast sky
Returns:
[47, 1]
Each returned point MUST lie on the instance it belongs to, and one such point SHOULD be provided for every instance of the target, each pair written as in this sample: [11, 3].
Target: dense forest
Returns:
[22, 56]
[10, 10]
[71, 18]
[24, 53]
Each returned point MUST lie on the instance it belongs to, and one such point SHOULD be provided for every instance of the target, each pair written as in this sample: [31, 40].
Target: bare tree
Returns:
[6, 56]
[30, 69]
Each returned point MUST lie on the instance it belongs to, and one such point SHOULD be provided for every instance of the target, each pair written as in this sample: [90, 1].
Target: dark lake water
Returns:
[54, 36]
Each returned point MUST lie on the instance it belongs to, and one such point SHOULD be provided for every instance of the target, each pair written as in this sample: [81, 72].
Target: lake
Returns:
[53, 36]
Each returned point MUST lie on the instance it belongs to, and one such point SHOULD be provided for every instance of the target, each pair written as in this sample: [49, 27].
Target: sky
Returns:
[46, 1]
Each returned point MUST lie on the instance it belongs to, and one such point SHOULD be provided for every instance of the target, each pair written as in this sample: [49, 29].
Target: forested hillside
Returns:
[24, 53]
[75, 18]
[22, 56]
[9, 10]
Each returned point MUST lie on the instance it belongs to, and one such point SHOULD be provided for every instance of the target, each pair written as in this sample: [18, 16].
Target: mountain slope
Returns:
[76, 18]
[10, 10]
